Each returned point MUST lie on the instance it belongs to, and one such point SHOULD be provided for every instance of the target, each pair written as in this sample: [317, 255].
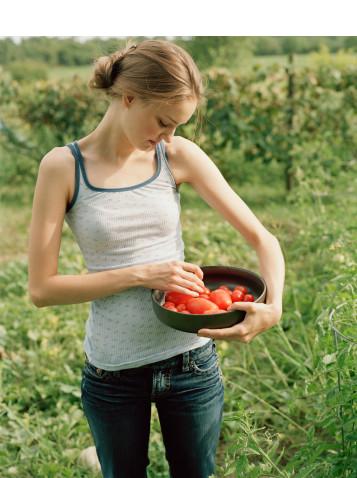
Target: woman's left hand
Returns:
[259, 317]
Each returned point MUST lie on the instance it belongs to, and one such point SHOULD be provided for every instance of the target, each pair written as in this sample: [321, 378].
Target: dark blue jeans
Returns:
[188, 393]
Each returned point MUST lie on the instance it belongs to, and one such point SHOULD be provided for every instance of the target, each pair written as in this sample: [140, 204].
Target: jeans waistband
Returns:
[182, 360]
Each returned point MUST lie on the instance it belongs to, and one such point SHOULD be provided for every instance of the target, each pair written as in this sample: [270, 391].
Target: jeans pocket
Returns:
[205, 362]
[90, 371]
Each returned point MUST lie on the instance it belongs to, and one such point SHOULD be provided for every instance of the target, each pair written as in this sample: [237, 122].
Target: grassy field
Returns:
[85, 72]
[66, 72]
[300, 61]
[281, 395]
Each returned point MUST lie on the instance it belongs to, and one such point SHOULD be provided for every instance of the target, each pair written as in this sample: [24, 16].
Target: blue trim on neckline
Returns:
[76, 179]
[135, 186]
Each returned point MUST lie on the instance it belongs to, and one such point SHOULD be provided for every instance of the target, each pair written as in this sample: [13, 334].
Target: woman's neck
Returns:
[108, 140]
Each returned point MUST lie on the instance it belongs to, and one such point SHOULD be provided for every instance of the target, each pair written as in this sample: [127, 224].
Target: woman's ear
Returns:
[128, 100]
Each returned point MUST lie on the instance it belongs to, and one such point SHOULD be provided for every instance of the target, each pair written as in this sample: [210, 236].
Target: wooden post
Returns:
[290, 120]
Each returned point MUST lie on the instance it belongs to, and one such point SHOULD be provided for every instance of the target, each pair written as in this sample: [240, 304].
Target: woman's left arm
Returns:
[202, 173]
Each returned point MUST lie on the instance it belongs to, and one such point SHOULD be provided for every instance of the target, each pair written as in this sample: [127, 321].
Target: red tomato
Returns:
[199, 305]
[221, 297]
[181, 307]
[177, 297]
[204, 296]
[248, 298]
[242, 288]
[168, 305]
[224, 287]
[237, 295]
[185, 312]
[171, 307]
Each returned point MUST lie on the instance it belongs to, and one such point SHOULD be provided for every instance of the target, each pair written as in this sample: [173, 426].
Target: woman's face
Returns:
[148, 124]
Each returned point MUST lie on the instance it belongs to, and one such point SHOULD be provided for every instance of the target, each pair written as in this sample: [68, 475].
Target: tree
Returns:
[218, 51]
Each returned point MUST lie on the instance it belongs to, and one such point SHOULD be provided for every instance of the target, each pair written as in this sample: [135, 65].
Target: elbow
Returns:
[265, 239]
[36, 301]
[36, 298]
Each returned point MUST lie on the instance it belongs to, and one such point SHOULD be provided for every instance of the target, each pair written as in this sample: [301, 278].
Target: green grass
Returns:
[300, 61]
[281, 394]
[67, 72]
[85, 72]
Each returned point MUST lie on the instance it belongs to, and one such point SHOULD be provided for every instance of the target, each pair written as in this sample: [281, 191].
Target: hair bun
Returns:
[155, 71]
[119, 55]
[108, 67]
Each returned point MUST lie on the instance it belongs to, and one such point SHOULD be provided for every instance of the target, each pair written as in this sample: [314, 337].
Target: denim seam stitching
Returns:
[205, 370]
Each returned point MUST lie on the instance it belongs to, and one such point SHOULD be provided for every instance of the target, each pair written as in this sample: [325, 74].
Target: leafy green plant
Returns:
[27, 70]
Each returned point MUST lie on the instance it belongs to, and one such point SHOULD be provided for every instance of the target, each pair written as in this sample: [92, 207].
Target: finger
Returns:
[249, 338]
[238, 330]
[213, 334]
[189, 276]
[187, 291]
[221, 334]
[193, 268]
[241, 330]
[190, 285]
[247, 306]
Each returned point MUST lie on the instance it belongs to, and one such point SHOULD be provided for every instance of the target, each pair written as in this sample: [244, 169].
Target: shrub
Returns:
[27, 70]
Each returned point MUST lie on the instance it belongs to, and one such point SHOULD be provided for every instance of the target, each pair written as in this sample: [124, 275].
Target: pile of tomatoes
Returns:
[208, 302]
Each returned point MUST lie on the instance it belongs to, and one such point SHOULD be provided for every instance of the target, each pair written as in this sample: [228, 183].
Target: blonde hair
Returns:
[155, 71]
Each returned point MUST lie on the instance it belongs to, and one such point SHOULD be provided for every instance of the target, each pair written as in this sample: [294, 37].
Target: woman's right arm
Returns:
[47, 287]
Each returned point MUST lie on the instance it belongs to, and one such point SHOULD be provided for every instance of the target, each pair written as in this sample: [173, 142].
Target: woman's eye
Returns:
[162, 124]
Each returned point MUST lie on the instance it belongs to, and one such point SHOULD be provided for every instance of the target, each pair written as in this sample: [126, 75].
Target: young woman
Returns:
[118, 190]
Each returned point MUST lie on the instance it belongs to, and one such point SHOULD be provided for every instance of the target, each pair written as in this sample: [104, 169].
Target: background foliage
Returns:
[284, 136]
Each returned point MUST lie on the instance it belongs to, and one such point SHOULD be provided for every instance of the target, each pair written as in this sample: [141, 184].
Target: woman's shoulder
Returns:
[59, 162]
[181, 147]
[180, 152]
[58, 157]
[178, 143]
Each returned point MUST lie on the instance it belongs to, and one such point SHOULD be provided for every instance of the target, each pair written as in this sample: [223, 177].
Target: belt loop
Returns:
[186, 361]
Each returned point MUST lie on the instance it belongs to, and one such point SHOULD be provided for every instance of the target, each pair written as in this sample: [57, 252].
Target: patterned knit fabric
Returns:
[123, 227]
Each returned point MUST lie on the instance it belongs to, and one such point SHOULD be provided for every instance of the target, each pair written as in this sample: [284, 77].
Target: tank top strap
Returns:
[165, 161]
[77, 160]
[77, 155]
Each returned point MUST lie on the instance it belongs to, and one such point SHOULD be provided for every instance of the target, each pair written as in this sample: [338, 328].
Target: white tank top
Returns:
[123, 227]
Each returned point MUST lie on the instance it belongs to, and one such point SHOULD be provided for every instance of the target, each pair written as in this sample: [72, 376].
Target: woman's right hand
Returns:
[174, 275]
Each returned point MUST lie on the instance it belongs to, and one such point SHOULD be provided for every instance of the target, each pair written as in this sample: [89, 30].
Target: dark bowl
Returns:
[213, 277]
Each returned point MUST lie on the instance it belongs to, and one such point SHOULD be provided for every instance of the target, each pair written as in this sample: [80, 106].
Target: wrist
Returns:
[140, 275]
[277, 309]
